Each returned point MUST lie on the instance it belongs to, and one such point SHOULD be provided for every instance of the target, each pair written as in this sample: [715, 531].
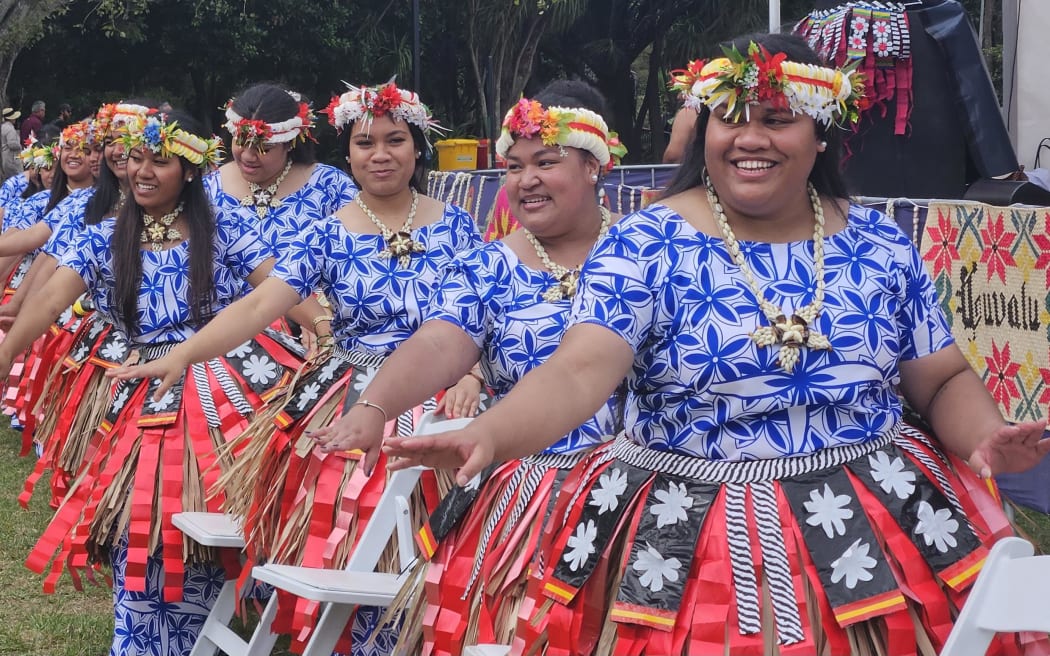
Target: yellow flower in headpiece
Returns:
[169, 140]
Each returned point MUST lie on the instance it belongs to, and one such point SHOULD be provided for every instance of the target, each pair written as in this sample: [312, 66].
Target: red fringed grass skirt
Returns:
[865, 549]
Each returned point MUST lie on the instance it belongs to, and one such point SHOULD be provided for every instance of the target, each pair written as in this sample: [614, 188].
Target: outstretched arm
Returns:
[946, 391]
[433, 358]
[550, 401]
[233, 326]
[59, 293]
[20, 242]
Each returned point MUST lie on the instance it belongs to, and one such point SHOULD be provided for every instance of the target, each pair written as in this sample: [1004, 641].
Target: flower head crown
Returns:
[574, 127]
[112, 119]
[79, 136]
[36, 155]
[827, 95]
[167, 139]
[256, 133]
[367, 103]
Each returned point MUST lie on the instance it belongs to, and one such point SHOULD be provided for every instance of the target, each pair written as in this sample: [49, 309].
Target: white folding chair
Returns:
[340, 590]
[1008, 596]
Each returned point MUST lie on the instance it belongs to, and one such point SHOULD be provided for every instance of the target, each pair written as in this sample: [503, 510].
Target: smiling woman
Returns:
[765, 496]
[160, 269]
[377, 260]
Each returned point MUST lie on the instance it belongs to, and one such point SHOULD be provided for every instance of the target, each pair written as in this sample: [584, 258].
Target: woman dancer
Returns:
[507, 302]
[377, 261]
[764, 497]
[274, 177]
[160, 270]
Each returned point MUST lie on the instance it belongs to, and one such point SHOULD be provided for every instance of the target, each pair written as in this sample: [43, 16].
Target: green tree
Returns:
[21, 23]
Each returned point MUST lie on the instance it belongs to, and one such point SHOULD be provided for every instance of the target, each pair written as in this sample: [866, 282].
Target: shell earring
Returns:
[822, 146]
[594, 177]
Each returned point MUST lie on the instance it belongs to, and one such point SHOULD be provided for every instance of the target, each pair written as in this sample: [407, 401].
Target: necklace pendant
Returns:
[792, 335]
[402, 246]
[554, 293]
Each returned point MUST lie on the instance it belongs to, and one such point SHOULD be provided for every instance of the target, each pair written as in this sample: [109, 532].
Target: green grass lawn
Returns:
[67, 623]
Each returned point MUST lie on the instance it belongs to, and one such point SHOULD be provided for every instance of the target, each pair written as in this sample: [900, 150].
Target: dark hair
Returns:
[572, 93]
[127, 259]
[826, 175]
[48, 135]
[273, 104]
[59, 183]
[103, 203]
[419, 141]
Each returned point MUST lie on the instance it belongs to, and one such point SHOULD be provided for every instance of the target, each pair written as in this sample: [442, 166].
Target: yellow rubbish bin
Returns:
[457, 154]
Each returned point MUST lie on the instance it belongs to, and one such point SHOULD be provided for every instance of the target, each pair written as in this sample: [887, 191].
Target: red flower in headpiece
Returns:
[329, 111]
[388, 98]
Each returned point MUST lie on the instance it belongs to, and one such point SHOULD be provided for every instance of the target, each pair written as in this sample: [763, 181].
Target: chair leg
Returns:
[330, 627]
[220, 615]
[263, 639]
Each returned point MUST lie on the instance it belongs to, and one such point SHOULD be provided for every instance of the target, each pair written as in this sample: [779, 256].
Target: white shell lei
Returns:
[794, 333]
[568, 279]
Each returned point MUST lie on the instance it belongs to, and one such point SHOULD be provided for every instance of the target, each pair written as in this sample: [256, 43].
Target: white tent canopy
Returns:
[1026, 96]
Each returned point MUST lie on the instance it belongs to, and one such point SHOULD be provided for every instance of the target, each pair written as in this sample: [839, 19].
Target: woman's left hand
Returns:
[1012, 448]
[459, 449]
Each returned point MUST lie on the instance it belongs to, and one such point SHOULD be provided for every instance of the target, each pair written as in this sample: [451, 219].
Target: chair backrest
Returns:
[392, 510]
[1008, 596]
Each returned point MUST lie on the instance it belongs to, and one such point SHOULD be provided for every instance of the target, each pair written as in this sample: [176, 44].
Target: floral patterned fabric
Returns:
[11, 189]
[376, 302]
[66, 220]
[163, 308]
[327, 190]
[26, 213]
[145, 624]
[498, 302]
[699, 385]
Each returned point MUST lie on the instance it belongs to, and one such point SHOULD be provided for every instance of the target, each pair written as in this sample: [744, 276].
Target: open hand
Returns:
[168, 369]
[1012, 448]
[360, 428]
[460, 449]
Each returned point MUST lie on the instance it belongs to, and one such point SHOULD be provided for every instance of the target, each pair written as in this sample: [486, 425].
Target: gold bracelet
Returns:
[321, 317]
[369, 404]
[476, 376]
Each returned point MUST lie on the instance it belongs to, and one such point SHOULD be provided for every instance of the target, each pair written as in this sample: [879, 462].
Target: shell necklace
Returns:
[568, 279]
[156, 232]
[264, 199]
[794, 333]
[398, 244]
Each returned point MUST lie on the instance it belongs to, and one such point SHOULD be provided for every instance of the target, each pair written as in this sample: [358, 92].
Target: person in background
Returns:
[765, 496]
[33, 122]
[10, 145]
[65, 116]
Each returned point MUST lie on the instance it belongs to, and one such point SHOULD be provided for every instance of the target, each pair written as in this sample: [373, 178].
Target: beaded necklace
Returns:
[156, 232]
[568, 279]
[398, 244]
[263, 200]
[794, 333]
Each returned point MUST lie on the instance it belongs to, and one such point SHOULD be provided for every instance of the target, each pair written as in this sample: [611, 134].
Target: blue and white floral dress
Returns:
[327, 190]
[302, 506]
[482, 540]
[11, 190]
[48, 351]
[746, 509]
[151, 459]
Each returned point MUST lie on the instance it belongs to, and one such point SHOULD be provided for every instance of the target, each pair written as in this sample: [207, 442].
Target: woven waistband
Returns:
[747, 471]
[358, 359]
[151, 352]
[556, 460]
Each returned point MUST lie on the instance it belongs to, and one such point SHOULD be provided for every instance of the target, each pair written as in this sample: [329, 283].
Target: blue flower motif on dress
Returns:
[326, 191]
[24, 214]
[376, 302]
[11, 191]
[163, 312]
[701, 387]
[498, 302]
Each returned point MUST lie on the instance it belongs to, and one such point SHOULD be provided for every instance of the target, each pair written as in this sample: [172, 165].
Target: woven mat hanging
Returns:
[991, 267]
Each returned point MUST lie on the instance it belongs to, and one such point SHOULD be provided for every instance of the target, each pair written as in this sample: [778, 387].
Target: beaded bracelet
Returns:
[321, 317]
